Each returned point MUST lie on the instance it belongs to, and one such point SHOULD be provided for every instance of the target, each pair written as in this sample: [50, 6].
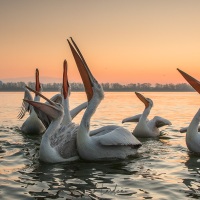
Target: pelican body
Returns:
[146, 128]
[192, 131]
[192, 135]
[32, 125]
[58, 143]
[118, 143]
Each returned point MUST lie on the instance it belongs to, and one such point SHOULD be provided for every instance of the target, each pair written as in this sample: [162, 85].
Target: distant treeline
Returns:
[109, 87]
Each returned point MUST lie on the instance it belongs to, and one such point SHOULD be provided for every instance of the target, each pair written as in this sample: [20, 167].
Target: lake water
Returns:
[164, 168]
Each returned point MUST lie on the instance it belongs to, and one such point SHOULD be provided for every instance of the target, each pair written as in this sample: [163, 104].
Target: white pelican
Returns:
[32, 124]
[58, 143]
[69, 115]
[192, 134]
[192, 131]
[62, 98]
[144, 127]
[119, 143]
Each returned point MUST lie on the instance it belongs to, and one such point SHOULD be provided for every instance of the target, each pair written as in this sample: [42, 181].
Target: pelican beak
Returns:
[192, 81]
[50, 110]
[143, 99]
[65, 80]
[37, 82]
[37, 93]
[84, 71]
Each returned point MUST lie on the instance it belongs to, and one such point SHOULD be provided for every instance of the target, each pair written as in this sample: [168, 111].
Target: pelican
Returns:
[69, 115]
[192, 131]
[58, 143]
[146, 128]
[193, 134]
[62, 98]
[118, 143]
[33, 124]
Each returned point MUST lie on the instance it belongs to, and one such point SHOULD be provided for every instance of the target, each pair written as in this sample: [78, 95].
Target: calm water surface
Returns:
[163, 169]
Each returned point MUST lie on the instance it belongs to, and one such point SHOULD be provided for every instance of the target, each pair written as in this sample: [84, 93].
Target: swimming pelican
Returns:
[58, 143]
[145, 127]
[32, 124]
[62, 98]
[193, 134]
[192, 131]
[116, 144]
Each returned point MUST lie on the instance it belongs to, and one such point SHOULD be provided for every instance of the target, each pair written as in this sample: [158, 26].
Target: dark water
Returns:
[163, 169]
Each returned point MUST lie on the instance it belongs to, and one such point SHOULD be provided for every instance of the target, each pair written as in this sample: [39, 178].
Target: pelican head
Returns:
[52, 109]
[90, 83]
[147, 101]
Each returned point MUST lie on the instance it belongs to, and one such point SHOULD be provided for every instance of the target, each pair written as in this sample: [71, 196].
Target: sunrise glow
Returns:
[122, 41]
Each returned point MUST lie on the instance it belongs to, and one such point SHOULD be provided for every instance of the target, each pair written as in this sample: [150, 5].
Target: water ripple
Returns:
[163, 168]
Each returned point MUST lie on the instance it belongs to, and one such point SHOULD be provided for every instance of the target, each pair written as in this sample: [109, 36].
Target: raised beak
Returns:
[143, 99]
[65, 80]
[192, 81]
[37, 82]
[84, 71]
[50, 110]
[37, 93]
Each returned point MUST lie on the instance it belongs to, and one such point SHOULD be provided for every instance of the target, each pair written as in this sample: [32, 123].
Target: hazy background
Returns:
[122, 40]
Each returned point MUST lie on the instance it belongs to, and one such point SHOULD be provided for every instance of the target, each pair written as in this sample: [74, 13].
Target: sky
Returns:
[124, 41]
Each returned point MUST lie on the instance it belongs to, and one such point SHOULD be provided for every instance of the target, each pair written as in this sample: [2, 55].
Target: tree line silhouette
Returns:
[108, 87]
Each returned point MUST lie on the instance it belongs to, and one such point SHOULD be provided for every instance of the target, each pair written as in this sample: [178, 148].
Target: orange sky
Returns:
[125, 41]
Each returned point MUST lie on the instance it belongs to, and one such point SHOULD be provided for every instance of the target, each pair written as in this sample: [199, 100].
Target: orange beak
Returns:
[143, 99]
[84, 71]
[37, 82]
[192, 81]
[65, 80]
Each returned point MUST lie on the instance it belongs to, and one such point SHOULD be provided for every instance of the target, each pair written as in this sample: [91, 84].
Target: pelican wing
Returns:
[159, 122]
[184, 129]
[26, 107]
[64, 140]
[78, 109]
[134, 118]
[119, 136]
[103, 130]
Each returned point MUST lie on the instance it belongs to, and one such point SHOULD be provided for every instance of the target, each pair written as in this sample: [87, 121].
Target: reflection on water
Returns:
[193, 181]
[163, 169]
